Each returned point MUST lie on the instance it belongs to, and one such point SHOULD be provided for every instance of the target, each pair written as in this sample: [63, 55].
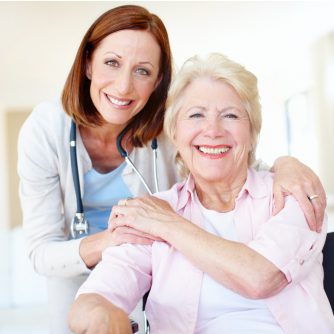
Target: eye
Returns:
[143, 71]
[196, 115]
[112, 63]
[230, 116]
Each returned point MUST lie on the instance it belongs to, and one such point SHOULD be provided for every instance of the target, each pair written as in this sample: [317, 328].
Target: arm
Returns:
[92, 247]
[261, 269]
[242, 269]
[293, 177]
[230, 263]
[42, 199]
[43, 160]
[112, 290]
[104, 317]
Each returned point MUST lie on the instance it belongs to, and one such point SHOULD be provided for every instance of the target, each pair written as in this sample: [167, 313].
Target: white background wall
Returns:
[272, 39]
[38, 41]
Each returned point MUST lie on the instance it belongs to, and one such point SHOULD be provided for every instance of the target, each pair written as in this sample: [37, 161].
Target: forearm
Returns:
[91, 247]
[232, 264]
[56, 258]
[91, 313]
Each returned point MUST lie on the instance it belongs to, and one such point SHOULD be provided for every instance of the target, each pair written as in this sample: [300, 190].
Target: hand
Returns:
[293, 177]
[149, 215]
[123, 234]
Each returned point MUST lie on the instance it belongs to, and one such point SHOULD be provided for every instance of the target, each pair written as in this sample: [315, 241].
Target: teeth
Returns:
[213, 150]
[118, 102]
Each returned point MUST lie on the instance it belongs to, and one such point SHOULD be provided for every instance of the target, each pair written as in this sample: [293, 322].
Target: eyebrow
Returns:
[230, 108]
[120, 57]
[221, 110]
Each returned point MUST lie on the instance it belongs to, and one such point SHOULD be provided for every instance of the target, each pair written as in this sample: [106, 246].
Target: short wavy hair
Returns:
[221, 68]
[76, 100]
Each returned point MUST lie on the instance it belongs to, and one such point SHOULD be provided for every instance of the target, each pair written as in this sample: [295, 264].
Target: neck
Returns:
[219, 196]
[100, 143]
[106, 133]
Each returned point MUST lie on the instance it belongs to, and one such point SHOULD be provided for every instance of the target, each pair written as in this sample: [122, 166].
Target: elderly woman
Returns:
[225, 263]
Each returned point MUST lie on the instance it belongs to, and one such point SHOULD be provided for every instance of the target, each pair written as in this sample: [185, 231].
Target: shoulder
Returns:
[47, 117]
[48, 111]
[171, 195]
[259, 182]
[260, 187]
[46, 127]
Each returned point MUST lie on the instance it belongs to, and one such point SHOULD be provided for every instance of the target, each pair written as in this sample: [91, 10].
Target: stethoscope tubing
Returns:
[125, 155]
[74, 167]
[154, 147]
[80, 215]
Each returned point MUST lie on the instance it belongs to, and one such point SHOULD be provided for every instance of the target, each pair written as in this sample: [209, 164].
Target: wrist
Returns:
[91, 248]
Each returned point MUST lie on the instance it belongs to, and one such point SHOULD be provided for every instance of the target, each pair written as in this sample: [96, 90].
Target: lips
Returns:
[118, 102]
[213, 150]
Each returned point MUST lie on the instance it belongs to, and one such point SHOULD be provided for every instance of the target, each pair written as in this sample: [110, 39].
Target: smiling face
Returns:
[124, 72]
[213, 133]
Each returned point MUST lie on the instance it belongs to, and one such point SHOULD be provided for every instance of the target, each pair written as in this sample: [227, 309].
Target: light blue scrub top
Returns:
[101, 193]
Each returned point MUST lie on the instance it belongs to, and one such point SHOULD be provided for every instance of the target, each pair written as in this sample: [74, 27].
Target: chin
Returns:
[116, 120]
[210, 177]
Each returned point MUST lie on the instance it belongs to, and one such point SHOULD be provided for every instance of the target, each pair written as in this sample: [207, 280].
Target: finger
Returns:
[319, 210]
[144, 236]
[121, 237]
[133, 239]
[120, 210]
[309, 212]
[130, 230]
[124, 201]
[317, 188]
[301, 195]
[111, 225]
[278, 200]
[111, 220]
[323, 197]
[319, 203]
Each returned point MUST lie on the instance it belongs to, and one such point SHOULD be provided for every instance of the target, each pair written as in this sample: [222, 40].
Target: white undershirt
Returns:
[222, 311]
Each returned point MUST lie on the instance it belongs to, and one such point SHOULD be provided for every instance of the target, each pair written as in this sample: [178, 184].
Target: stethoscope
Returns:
[79, 224]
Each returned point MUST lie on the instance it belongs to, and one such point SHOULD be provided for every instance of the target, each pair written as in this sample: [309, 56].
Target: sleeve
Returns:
[287, 241]
[122, 277]
[42, 200]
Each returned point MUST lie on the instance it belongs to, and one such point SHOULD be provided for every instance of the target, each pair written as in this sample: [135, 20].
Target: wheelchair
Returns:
[134, 324]
[328, 265]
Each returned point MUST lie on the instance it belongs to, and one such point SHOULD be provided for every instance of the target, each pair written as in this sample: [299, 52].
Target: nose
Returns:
[214, 128]
[123, 81]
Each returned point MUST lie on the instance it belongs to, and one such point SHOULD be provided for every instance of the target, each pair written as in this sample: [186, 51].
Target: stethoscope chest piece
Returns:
[79, 225]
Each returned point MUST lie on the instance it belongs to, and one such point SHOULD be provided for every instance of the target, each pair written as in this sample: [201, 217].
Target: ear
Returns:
[88, 69]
